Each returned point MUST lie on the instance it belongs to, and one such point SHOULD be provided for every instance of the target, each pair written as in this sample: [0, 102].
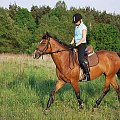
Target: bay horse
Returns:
[109, 65]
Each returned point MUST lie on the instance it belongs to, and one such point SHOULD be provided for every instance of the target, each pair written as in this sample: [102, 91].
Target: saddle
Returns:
[91, 56]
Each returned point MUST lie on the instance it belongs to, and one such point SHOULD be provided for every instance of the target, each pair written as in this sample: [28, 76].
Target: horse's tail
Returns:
[118, 54]
[118, 73]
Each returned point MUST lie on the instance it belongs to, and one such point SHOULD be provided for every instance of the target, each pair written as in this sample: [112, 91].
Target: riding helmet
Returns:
[77, 17]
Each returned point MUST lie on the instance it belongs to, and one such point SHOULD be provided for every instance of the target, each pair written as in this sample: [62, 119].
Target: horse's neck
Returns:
[62, 57]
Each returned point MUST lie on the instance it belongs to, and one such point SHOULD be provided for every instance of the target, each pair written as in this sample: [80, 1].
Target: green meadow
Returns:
[25, 85]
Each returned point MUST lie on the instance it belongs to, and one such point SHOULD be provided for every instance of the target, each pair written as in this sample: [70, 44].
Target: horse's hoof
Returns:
[46, 111]
[94, 109]
[81, 106]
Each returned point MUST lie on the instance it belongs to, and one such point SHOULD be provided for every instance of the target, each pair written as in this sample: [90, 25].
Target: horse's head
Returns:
[44, 47]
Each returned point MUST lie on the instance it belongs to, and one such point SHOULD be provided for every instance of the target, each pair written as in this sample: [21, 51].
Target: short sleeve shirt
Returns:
[78, 32]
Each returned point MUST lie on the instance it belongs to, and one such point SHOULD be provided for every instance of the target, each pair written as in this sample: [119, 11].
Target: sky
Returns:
[111, 6]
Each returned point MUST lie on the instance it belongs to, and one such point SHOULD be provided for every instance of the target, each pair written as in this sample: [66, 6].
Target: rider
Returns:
[79, 40]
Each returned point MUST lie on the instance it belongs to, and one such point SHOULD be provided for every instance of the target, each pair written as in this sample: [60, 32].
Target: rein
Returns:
[51, 52]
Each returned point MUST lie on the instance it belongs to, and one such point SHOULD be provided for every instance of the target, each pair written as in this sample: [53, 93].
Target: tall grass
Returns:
[25, 85]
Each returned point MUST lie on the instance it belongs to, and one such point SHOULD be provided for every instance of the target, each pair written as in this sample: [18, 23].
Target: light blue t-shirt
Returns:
[78, 32]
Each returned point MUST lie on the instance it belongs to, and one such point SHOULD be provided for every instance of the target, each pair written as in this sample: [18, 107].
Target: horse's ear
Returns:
[47, 34]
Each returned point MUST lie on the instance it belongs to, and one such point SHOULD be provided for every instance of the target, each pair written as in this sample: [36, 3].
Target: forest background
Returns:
[21, 29]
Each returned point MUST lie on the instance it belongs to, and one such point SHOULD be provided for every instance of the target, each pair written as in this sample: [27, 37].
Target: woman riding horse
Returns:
[80, 42]
[109, 65]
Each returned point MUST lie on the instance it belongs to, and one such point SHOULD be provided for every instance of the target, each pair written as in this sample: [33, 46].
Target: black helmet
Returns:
[77, 17]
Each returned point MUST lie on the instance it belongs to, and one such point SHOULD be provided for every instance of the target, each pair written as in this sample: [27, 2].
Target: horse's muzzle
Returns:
[36, 55]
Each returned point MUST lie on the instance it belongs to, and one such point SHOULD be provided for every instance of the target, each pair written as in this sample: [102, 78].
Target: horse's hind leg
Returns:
[116, 87]
[75, 86]
[105, 91]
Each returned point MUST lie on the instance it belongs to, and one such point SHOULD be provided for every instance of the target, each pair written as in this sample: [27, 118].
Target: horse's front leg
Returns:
[105, 91]
[59, 84]
[51, 99]
[75, 86]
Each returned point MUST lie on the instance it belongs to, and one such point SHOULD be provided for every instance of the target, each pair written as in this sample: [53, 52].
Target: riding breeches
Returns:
[81, 51]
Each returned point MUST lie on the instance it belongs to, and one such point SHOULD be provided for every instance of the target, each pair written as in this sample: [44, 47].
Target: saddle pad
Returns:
[93, 60]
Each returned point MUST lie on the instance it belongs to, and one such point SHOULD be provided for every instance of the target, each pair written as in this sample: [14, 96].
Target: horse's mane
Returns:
[61, 42]
[47, 35]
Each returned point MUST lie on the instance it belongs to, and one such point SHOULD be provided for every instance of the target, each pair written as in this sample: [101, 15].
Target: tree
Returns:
[61, 4]
[12, 38]
[24, 19]
[37, 12]
[106, 37]
[13, 10]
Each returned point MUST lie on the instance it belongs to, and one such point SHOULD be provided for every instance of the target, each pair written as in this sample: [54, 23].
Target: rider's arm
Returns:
[84, 32]
[72, 42]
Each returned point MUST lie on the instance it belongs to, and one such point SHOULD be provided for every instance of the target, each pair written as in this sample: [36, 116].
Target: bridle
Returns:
[41, 52]
[44, 49]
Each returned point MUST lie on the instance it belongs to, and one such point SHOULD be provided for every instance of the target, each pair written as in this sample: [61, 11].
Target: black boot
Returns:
[86, 71]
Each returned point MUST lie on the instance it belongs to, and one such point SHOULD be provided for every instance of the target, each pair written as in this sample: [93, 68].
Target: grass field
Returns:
[25, 85]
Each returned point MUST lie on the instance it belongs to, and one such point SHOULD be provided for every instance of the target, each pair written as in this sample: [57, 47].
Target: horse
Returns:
[68, 70]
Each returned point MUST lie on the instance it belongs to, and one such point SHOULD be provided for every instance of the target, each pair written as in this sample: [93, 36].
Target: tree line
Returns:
[21, 29]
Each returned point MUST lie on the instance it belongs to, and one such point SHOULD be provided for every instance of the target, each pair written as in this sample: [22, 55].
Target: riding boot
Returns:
[86, 71]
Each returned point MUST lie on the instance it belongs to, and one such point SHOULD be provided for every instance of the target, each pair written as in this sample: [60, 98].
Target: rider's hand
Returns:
[72, 46]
